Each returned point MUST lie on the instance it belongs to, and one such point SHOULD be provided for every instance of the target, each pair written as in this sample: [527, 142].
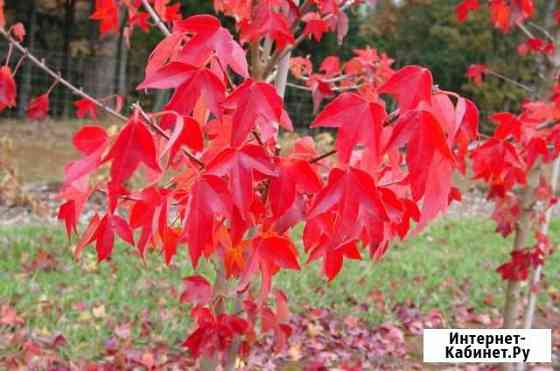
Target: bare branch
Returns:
[511, 81]
[322, 157]
[543, 30]
[155, 17]
[522, 27]
[56, 77]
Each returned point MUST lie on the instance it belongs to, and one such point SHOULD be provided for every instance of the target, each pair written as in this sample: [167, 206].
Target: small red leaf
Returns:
[7, 88]
[84, 108]
[38, 108]
[197, 290]
[90, 138]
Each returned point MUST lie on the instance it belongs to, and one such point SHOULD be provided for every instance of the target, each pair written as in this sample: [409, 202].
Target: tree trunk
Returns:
[27, 68]
[69, 18]
[522, 232]
[121, 72]
[99, 79]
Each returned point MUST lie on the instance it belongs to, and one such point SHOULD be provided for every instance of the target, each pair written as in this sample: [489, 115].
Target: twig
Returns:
[41, 64]
[322, 157]
[156, 18]
[525, 30]
[58, 79]
[543, 30]
[511, 81]
[536, 274]
[296, 86]
[19, 63]
[334, 79]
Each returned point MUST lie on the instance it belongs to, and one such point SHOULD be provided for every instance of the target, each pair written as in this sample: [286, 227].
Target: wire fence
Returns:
[107, 76]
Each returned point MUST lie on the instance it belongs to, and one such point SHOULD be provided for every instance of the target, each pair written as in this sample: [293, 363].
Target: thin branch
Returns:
[58, 79]
[511, 81]
[155, 17]
[19, 63]
[296, 86]
[335, 89]
[41, 64]
[525, 30]
[543, 30]
[334, 79]
[322, 157]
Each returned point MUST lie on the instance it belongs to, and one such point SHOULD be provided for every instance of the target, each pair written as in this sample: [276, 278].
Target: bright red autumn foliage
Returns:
[85, 108]
[38, 108]
[208, 173]
[513, 161]
[7, 88]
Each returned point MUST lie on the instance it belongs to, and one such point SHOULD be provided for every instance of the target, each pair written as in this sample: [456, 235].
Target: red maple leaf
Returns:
[67, 213]
[409, 86]
[91, 141]
[498, 163]
[476, 72]
[214, 333]
[254, 103]
[300, 67]
[2, 16]
[191, 82]
[196, 290]
[210, 37]
[242, 166]
[277, 321]
[430, 161]
[186, 132]
[107, 13]
[140, 20]
[18, 30]
[103, 233]
[463, 9]
[517, 269]
[315, 26]
[354, 199]
[359, 122]
[294, 175]
[267, 23]
[134, 145]
[85, 108]
[208, 199]
[317, 232]
[7, 88]
[330, 66]
[270, 253]
[38, 108]
[500, 13]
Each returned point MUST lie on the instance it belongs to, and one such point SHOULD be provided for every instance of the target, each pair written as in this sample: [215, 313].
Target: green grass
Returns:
[452, 261]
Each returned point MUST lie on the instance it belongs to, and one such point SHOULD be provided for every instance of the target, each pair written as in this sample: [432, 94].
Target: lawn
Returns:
[450, 265]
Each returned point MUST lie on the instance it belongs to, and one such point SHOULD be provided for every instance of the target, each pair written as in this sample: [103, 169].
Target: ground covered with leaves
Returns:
[56, 311]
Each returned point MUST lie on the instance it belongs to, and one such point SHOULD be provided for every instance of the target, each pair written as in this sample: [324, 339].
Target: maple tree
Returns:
[208, 173]
[513, 162]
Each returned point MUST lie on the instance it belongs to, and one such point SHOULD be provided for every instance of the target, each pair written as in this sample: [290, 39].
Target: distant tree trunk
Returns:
[100, 69]
[69, 20]
[26, 69]
[122, 86]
